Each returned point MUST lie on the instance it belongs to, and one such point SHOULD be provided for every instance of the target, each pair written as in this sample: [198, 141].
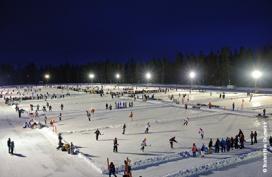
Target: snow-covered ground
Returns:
[36, 148]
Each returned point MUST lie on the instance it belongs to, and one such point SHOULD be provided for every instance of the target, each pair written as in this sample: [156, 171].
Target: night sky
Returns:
[61, 31]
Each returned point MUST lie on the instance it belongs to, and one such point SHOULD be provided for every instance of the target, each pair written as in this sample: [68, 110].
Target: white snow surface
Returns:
[36, 153]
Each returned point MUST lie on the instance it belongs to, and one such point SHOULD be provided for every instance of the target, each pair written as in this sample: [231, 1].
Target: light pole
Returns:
[47, 77]
[256, 74]
[148, 76]
[192, 76]
[92, 76]
[117, 76]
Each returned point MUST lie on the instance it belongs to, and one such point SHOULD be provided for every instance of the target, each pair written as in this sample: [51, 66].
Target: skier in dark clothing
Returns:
[8, 143]
[12, 146]
[112, 170]
[231, 142]
[236, 142]
[233, 106]
[255, 137]
[60, 141]
[107, 106]
[124, 129]
[210, 146]
[61, 107]
[251, 137]
[172, 140]
[228, 144]
[216, 146]
[20, 112]
[97, 133]
[88, 115]
[115, 145]
[223, 145]
[264, 112]
[60, 116]
[242, 140]
[270, 140]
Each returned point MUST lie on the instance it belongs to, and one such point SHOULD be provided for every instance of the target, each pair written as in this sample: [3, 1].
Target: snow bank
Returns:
[216, 165]
[154, 161]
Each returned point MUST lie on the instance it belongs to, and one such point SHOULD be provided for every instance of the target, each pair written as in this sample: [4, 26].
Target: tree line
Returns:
[219, 68]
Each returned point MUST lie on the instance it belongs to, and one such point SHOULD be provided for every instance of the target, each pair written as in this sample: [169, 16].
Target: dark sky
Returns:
[78, 31]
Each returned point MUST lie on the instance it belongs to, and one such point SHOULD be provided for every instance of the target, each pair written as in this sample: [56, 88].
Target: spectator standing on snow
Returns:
[251, 137]
[127, 171]
[12, 146]
[194, 150]
[223, 145]
[255, 137]
[124, 129]
[210, 146]
[97, 133]
[264, 112]
[233, 106]
[112, 170]
[8, 144]
[216, 146]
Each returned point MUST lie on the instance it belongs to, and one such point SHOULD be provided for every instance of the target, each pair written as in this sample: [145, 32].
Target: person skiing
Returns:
[12, 146]
[131, 116]
[194, 150]
[255, 137]
[60, 115]
[270, 141]
[45, 120]
[233, 106]
[97, 133]
[115, 145]
[8, 144]
[50, 108]
[107, 106]
[186, 121]
[171, 141]
[124, 129]
[201, 132]
[251, 137]
[88, 115]
[147, 127]
[143, 144]
[61, 107]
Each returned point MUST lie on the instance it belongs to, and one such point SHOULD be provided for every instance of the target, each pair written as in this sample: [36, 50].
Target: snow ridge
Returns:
[216, 165]
[154, 161]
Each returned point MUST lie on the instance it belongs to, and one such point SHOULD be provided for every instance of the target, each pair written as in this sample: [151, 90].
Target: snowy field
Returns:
[36, 153]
